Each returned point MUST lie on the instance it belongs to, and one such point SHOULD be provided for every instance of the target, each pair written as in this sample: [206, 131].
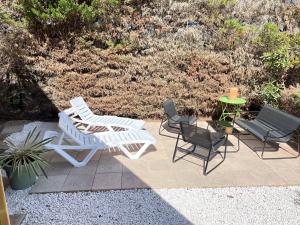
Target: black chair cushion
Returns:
[261, 129]
[201, 137]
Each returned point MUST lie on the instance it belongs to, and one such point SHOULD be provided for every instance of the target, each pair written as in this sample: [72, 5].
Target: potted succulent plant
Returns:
[24, 162]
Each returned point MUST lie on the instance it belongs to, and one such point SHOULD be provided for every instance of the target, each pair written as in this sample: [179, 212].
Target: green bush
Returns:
[279, 60]
[270, 93]
[4, 16]
[221, 3]
[108, 10]
[234, 32]
[270, 38]
[7, 18]
[55, 12]
[296, 100]
[296, 50]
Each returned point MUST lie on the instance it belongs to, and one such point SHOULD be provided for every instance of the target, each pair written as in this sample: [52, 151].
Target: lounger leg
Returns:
[136, 155]
[72, 160]
[175, 150]
[87, 128]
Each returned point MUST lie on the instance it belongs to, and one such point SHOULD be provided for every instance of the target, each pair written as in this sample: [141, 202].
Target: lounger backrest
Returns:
[169, 108]
[278, 119]
[81, 108]
[69, 129]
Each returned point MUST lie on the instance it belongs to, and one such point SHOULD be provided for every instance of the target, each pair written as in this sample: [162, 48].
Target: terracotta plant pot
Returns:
[228, 130]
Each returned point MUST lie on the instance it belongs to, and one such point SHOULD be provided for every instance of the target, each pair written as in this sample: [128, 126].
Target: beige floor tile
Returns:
[58, 168]
[290, 176]
[52, 184]
[266, 178]
[109, 164]
[134, 166]
[49, 155]
[160, 179]
[190, 178]
[159, 165]
[57, 158]
[89, 169]
[13, 126]
[78, 182]
[113, 170]
[107, 181]
[131, 180]
[81, 155]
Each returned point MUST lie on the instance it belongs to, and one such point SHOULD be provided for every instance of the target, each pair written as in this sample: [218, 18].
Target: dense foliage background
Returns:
[125, 56]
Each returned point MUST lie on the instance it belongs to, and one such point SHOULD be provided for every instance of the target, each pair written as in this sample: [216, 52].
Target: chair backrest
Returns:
[69, 129]
[81, 108]
[169, 108]
[188, 131]
[278, 119]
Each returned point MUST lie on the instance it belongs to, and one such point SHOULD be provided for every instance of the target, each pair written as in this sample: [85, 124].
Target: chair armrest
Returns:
[246, 111]
[223, 139]
[168, 117]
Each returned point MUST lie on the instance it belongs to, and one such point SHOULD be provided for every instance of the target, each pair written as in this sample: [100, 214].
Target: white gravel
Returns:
[238, 206]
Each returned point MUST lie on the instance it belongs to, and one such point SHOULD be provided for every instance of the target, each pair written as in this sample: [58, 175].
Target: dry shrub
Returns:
[157, 51]
[288, 101]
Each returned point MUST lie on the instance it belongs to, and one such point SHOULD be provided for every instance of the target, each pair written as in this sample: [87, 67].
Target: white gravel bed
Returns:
[238, 206]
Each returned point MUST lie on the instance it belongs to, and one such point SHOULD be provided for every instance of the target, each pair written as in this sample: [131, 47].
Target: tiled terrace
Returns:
[113, 170]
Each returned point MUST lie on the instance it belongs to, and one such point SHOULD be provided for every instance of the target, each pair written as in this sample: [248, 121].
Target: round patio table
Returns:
[226, 103]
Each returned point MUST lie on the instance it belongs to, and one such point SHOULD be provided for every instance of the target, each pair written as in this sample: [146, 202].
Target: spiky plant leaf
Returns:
[26, 157]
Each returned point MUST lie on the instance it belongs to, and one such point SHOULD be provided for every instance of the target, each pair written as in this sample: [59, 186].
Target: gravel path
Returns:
[238, 206]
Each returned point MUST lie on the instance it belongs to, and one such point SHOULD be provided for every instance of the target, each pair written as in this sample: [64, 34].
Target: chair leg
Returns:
[263, 150]
[204, 167]
[298, 145]
[194, 148]
[159, 130]
[206, 163]
[175, 150]
[205, 172]
[225, 150]
[238, 136]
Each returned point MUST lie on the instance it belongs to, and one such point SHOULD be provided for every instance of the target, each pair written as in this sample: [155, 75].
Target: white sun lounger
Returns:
[89, 119]
[96, 141]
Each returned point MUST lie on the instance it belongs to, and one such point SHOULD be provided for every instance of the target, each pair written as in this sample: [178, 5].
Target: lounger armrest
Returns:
[70, 111]
[286, 133]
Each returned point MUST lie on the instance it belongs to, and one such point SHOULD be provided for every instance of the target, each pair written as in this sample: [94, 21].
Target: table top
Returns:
[236, 101]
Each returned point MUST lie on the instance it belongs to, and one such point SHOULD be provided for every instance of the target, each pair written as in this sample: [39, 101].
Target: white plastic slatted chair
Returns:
[88, 118]
[96, 141]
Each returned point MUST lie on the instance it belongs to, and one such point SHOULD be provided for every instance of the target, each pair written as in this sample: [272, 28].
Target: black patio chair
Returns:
[173, 118]
[208, 143]
[272, 125]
